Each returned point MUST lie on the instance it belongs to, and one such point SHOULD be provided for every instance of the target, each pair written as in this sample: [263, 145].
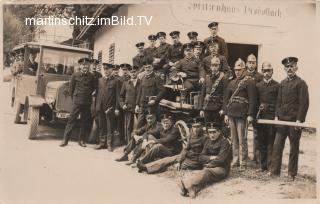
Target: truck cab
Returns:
[41, 86]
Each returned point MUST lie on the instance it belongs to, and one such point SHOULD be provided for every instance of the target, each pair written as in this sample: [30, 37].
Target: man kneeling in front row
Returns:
[216, 160]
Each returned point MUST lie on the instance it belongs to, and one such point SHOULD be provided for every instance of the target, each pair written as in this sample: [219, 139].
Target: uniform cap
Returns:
[107, 66]
[192, 34]
[289, 60]
[84, 60]
[140, 44]
[152, 37]
[213, 24]
[161, 34]
[166, 117]
[125, 66]
[213, 126]
[174, 33]
[198, 44]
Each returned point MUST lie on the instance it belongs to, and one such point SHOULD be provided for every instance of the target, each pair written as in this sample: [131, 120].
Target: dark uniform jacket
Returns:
[150, 52]
[220, 148]
[128, 95]
[192, 67]
[244, 101]
[147, 129]
[223, 49]
[137, 60]
[212, 100]
[224, 66]
[151, 85]
[267, 98]
[108, 93]
[170, 139]
[256, 76]
[175, 52]
[33, 66]
[81, 88]
[293, 100]
[194, 148]
[162, 52]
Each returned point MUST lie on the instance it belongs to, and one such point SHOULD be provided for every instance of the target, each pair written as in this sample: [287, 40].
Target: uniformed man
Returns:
[193, 36]
[150, 92]
[257, 77]
[214, 52]
[152, 127]
[292, 105]
[192, 69]
[137, 60]
[189, 157]
[223, 49]
[107, 106]
[199, 49]
[267, 97]
[165, 144]
[239, 107]
[16, 69]
[150, 51]
[82, 85]
[127, 101]
[211, 97]
[175, 51]
[215, 158]
[161, 54]
[96, 75]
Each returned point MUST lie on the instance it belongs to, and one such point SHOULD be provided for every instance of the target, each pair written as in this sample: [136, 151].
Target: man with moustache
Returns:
[239, 108]
[137, 60]
[292, 105]
[267, 98]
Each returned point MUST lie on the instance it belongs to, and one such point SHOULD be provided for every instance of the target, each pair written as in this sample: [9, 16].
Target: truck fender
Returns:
[35, 101]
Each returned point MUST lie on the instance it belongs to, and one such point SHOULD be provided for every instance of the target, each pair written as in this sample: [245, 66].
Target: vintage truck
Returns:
[41, 86]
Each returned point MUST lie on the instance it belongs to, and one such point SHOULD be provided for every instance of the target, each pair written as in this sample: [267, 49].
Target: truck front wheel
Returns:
[33, 122]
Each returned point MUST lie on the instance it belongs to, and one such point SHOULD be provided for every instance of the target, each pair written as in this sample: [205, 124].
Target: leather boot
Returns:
[82, 143]
[100, 146]
[183, 190]
[123, 158]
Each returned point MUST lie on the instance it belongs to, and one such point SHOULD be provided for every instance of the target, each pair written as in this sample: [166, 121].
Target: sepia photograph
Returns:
[158, 101]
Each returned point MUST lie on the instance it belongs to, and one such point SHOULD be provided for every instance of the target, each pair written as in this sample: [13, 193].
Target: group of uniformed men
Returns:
[231, 98]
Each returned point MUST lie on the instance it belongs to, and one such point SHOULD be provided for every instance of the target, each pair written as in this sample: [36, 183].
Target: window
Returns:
[60, 61]
[111, 53]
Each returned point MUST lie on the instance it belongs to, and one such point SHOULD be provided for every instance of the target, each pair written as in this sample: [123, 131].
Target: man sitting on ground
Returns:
[216, 160]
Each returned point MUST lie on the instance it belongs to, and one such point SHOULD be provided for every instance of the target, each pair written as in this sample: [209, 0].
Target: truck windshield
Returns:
[56, 61]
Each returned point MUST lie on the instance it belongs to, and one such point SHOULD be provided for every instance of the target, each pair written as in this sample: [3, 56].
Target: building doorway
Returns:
[242, 51]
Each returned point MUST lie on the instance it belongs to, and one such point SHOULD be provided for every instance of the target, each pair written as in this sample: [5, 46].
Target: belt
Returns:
[239, 99]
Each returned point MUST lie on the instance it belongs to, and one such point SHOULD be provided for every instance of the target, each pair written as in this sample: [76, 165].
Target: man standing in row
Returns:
[292, 105]
[150, 92]
[81, 87]
[252, 72]
[211, 97]
[239, 107]
[107, 106]
[214, 35]
[128, 95]
[267, 97]
[160, 56]
[175, 51]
